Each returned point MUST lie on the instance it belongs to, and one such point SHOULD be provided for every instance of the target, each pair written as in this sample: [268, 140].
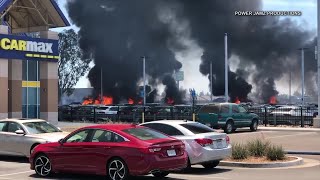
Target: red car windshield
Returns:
[145, 133]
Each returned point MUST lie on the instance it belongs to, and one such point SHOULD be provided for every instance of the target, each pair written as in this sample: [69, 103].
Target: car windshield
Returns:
[40, 127]
[197, 128]
[145, 133]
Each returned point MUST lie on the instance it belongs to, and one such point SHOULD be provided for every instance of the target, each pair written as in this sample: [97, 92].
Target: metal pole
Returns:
[27, 108]
[290, 81]
[226, 69]
[101, 84]
[302, 76]
[211, 94]
[37, 90]
[144, 80]
[318, 57]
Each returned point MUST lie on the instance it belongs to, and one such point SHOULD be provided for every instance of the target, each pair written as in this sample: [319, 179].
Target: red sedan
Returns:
[117, 151]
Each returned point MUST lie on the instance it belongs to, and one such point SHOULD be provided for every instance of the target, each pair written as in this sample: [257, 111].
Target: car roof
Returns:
[171, 122]
[22, 120]
[112, 126]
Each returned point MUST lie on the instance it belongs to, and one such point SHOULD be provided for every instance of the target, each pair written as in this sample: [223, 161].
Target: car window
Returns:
[224, 108]
[3, 126]
[78, 137]
[13, 127]
[40, 127]
[209, 109]
[106, 136]
[113, 109]
[235, 109]
[197, 128]
[164, 128]
[242, 109]
[145, 133]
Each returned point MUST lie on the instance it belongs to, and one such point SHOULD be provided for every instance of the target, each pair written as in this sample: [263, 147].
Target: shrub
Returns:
[258, 148]
[239, 152]
[275, 153]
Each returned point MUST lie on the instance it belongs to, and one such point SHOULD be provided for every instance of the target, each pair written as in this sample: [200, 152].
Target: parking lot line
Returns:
[11, 174]
[299, 134]
[197, 176]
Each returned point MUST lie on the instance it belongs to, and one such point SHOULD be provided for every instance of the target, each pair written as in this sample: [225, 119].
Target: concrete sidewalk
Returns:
[292, 129]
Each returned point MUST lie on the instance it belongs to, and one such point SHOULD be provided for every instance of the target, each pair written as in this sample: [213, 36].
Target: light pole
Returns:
[211, 95]
[226, 69]
[318, 59]
[101, 84]
[302, 75]
[144, 80]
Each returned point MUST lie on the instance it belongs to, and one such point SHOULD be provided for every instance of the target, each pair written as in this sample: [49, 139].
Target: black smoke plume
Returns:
[117, 33]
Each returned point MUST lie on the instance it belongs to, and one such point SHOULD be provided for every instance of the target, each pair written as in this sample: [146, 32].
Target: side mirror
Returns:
[20, 132]
[61, 141]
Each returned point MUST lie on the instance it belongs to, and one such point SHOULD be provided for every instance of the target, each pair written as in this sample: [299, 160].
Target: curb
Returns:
[304, 152]
[296, 162]
[290, 130]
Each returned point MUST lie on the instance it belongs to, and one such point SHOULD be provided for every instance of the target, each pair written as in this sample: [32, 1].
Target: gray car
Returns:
[18, 137]
[203, 145]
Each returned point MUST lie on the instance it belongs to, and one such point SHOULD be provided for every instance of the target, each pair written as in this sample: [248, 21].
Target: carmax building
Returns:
[29, 58]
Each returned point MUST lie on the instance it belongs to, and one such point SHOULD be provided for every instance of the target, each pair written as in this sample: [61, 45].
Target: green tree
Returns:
[71, 66]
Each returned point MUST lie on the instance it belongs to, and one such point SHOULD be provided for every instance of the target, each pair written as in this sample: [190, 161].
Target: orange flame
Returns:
[273, 100]
[170, 101]
[130, 101]
[237, 101]
[106, 100]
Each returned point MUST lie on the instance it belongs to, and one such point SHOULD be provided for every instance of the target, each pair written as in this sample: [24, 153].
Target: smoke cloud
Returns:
[117, 33]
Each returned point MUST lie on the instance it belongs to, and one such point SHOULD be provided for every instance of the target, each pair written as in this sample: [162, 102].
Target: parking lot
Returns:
[18, 168]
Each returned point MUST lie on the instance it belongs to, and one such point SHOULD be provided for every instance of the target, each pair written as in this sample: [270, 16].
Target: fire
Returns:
[130, 101]
[170, 101]
[106, 100]
[273, 100]
[237, 101]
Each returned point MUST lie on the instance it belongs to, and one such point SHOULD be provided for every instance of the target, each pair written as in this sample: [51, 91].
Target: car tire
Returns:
[210, 165]
[160, 174]
[254, 125]
[229, 127]
[117, 170]
[42, 165]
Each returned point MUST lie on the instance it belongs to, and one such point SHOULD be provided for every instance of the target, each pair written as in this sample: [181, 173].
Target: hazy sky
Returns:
[191, 60]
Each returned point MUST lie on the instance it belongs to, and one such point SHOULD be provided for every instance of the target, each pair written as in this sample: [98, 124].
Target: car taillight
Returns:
[204, 142]
[153, 149]
[150, 150]
[228, 140]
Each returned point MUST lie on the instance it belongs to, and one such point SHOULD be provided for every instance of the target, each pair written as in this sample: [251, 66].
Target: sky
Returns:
[191, 60]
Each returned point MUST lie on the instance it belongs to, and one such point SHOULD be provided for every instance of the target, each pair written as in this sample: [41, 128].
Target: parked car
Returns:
[294, 111]
[18, 137]
[110, 110]
[203, 145]
[114, 150]
[228, 116]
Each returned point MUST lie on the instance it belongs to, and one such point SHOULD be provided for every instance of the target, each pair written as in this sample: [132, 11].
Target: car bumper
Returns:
[207, 155]
[155, 164]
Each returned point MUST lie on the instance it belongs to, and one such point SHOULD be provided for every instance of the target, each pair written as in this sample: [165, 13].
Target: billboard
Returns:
[27, 48]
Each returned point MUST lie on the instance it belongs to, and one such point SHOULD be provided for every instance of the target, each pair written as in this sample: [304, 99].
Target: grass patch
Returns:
[275, 153]
[239, 151]
[258, 148]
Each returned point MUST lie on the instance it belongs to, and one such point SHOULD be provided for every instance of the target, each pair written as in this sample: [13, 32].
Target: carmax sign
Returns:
[26, 48]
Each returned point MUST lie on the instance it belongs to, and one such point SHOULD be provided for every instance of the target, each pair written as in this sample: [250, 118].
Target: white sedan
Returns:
[203, 145]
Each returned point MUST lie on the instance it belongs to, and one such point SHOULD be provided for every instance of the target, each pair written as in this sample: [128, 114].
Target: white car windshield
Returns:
[40, 127]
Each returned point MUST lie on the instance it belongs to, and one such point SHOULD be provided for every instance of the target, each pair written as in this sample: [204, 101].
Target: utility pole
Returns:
[290, 84]
[316, 121]
[144, 80]
[302, 75]
[101, 84]
[226, 68]
[211, 95]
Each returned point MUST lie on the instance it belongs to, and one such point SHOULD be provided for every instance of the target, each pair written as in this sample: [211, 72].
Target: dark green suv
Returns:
[228, 116]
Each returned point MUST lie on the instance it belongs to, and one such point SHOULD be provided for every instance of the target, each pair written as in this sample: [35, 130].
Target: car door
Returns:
[246, 118]
[236, 115]
[102, 146]
[3, 141]
[73, 155]
[14, 144]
